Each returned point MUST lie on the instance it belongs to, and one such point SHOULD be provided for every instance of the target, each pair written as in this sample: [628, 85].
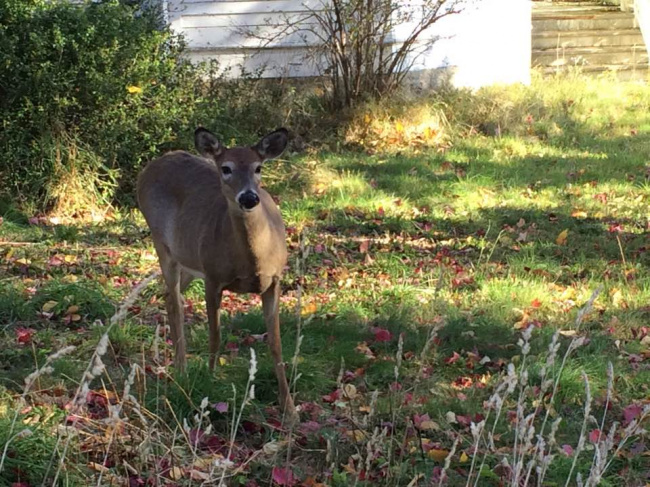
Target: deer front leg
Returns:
[271, 307]
[213, 306]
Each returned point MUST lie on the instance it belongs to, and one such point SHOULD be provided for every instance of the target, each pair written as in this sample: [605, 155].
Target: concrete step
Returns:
[590, 56]
[586, 38]
[575, 8]
[641, 73]
[600, 21]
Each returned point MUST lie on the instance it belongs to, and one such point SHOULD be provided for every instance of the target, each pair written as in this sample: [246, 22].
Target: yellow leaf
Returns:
[70, 259]
[49, 306]
[438, 455]
[355, 435]
[463, 457]
[568, 333]
[350, 391]
[309, 309]
[579, 214]
[134, 89]
[175, 473]
[399, 127]
[23, 261]
[222, 361]
[561, 238]
[617, 297]
[97, 467]
[429, 425]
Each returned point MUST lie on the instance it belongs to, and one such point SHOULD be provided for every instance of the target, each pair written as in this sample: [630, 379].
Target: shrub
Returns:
[88, 93]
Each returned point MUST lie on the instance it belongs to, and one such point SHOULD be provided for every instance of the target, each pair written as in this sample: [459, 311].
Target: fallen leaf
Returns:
[562, 237]
[632, 412]
[133, 90]
[453, 358]
[463, 457]
[381, 334]
[283, 476]
[568, 333]
[363, 247]
[438, 455]
[567, 450]
[350, 391]
[221, 407]
[579, 214]
[309, 309]
[24, 335]
[49, 306]
[357, 436]
[273, 447]
[595, 436]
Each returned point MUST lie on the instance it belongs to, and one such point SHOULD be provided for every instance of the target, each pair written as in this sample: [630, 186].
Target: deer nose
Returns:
[248, 200]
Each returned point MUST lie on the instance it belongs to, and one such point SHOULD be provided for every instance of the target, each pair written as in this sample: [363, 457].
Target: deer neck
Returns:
[251, 230]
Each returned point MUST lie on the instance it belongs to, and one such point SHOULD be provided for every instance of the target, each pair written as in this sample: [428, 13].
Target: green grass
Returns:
[469, 238]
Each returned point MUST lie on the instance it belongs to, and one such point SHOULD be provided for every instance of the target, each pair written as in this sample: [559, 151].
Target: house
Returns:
[489, 42]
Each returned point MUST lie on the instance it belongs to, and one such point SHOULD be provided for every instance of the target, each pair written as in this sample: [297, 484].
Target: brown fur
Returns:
[200, 230]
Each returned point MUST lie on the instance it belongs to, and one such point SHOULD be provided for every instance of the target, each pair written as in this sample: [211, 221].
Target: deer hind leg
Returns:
[173, 303]
[271, 307]
[213, 307]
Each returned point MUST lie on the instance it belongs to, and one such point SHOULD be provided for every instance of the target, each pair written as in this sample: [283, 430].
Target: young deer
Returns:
[211, 220]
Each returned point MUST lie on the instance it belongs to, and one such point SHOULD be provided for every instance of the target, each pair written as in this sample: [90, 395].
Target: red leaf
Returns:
[381, 334]
[464, 420]
[453, 358]
[221, 407]
[331, 397]
[536, 303]
[631, 412]
[568, 450]
[363, 247]
[283, 476]
[24, 335]
[595, 436]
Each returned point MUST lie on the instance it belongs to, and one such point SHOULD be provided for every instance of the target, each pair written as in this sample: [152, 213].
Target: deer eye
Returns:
[258, 169]
[225, 170]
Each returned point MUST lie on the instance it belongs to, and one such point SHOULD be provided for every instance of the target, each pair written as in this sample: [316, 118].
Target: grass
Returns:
[434, 226]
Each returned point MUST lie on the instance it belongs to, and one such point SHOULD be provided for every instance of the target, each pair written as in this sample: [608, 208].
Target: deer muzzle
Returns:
[248, 200]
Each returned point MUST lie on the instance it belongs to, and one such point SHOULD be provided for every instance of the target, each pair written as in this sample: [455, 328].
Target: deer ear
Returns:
[207, 144]
[273, 144]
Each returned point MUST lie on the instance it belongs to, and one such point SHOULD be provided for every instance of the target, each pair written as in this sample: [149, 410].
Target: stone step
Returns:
[641, 73]
[590, 56]
[609, 21]
[586, 38]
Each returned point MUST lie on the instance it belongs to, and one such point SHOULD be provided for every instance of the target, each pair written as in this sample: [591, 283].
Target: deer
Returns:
[209, 218]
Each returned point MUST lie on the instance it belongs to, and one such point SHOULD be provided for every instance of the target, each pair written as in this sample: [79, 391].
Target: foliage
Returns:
[88, 93]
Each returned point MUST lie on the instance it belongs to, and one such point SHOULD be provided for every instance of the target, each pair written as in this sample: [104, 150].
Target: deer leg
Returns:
[213, 306]
[173, 303]
[271, 307]
[186, 280]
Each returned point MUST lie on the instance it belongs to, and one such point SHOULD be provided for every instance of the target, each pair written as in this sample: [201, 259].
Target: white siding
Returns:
[488, 43]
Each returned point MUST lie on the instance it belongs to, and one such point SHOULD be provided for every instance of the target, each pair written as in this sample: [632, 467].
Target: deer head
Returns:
[241, 167]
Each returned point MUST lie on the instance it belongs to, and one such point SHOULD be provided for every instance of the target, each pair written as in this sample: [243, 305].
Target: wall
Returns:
[488, 43]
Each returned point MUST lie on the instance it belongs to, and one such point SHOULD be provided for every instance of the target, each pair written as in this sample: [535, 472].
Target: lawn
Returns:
[431, 316]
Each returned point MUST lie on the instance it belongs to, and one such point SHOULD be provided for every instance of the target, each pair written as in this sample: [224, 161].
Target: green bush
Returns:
[88, 93]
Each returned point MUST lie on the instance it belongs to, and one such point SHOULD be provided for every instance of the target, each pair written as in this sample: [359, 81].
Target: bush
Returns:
[88, 93]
